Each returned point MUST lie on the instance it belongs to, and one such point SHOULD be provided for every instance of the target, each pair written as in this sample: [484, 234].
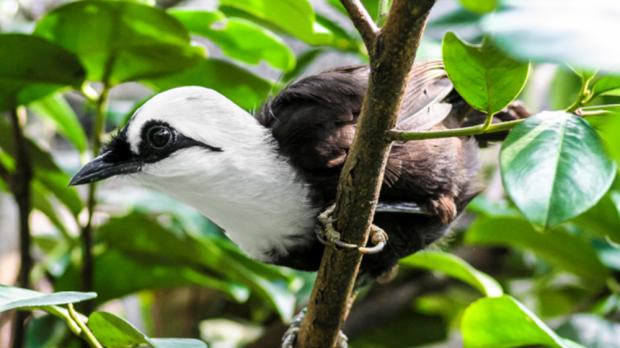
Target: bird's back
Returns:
[313, 120]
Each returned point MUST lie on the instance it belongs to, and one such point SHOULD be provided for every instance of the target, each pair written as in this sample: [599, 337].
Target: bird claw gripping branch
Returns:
[329, 235]
[290, 336]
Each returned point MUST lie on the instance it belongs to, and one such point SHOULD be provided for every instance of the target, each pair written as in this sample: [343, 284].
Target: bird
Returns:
[266, 178]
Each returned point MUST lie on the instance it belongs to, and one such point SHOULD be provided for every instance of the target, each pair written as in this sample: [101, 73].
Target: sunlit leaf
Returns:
[295, 17]
[123, 41]
[554, 167]
[238, 38]
[561, 31]
[31, 68]
[479, 6]
[13, 298]
[239, 85]
[484, 76]
[606, 85]
[113, 331]
[56, 109]
[504, 322]
[455, 267]
[560, 248]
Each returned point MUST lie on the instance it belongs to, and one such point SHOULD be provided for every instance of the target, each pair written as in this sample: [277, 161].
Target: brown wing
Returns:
[314, 119]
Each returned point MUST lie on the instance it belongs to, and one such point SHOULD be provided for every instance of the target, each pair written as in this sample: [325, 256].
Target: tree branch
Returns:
[360, 181]
[20, 186]
[87, 231]
[363, 22]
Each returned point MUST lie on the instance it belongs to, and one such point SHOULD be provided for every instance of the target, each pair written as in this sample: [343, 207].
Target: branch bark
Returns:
[362, 21]
[20, 186]
[391, 59]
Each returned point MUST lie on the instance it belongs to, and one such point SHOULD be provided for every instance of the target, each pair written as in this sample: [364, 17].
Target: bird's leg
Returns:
[329, 235]
[290, 336]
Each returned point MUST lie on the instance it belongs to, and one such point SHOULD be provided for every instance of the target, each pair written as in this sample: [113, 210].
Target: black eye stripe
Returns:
[158, 131]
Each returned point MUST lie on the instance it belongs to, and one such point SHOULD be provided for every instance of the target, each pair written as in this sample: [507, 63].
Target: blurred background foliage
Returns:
[72, 72]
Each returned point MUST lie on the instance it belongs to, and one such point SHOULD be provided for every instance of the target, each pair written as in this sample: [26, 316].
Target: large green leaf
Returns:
[239, 85]
[14, 298]
[295, 17]
[31, 67]
[606, 85]
[123, 41]
[56, 109]
[238, 38]
[560, 248]
[554, 167]
[454, 267]
[577, 32]
[504, 322]
[479, 6]
[484, 76]
[140, 272]
[113, 331]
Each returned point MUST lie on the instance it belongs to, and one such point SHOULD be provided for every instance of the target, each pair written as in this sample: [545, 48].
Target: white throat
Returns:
[250, 191]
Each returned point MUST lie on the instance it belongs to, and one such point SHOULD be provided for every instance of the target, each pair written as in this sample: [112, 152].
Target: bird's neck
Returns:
[258, 199]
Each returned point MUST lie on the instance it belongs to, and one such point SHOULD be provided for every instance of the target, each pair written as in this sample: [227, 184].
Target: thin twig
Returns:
[362, 175]
[363, 22]
[394, 135]
[20, 186]
[455, 132]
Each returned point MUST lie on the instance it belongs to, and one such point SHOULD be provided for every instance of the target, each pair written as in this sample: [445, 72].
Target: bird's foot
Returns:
[290, 336]
[329, 235]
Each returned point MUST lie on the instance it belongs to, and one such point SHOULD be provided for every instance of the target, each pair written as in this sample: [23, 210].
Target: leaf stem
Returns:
[87, 231]
[585, 94]
[86, 333]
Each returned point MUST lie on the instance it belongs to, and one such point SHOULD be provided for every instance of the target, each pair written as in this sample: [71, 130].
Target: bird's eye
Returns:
[159, 136]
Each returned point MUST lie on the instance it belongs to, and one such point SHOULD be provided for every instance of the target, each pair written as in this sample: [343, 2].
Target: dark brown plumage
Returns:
[313, 121]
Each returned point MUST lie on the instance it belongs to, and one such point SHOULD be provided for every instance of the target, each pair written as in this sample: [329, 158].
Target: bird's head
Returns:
[179, 133]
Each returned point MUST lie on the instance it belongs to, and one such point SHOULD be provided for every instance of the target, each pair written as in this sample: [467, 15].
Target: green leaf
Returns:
[504, 322]
[560, 248]
[237, 84]
[238, 38]
[113, 331]
[484, 76]
[56, 109]
[303, 61]
[606, 85]
[295, 17]
[479, 6]
[574, 31]
[41, 202]
[554, 167]
[602, 219]
[176, 343]
[142, 272]
[56, 182]
[455, 267]
[123, 41]
[16, 298]
[31, 68]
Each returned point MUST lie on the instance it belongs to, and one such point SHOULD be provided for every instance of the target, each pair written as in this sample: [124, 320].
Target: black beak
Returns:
[103, 167]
